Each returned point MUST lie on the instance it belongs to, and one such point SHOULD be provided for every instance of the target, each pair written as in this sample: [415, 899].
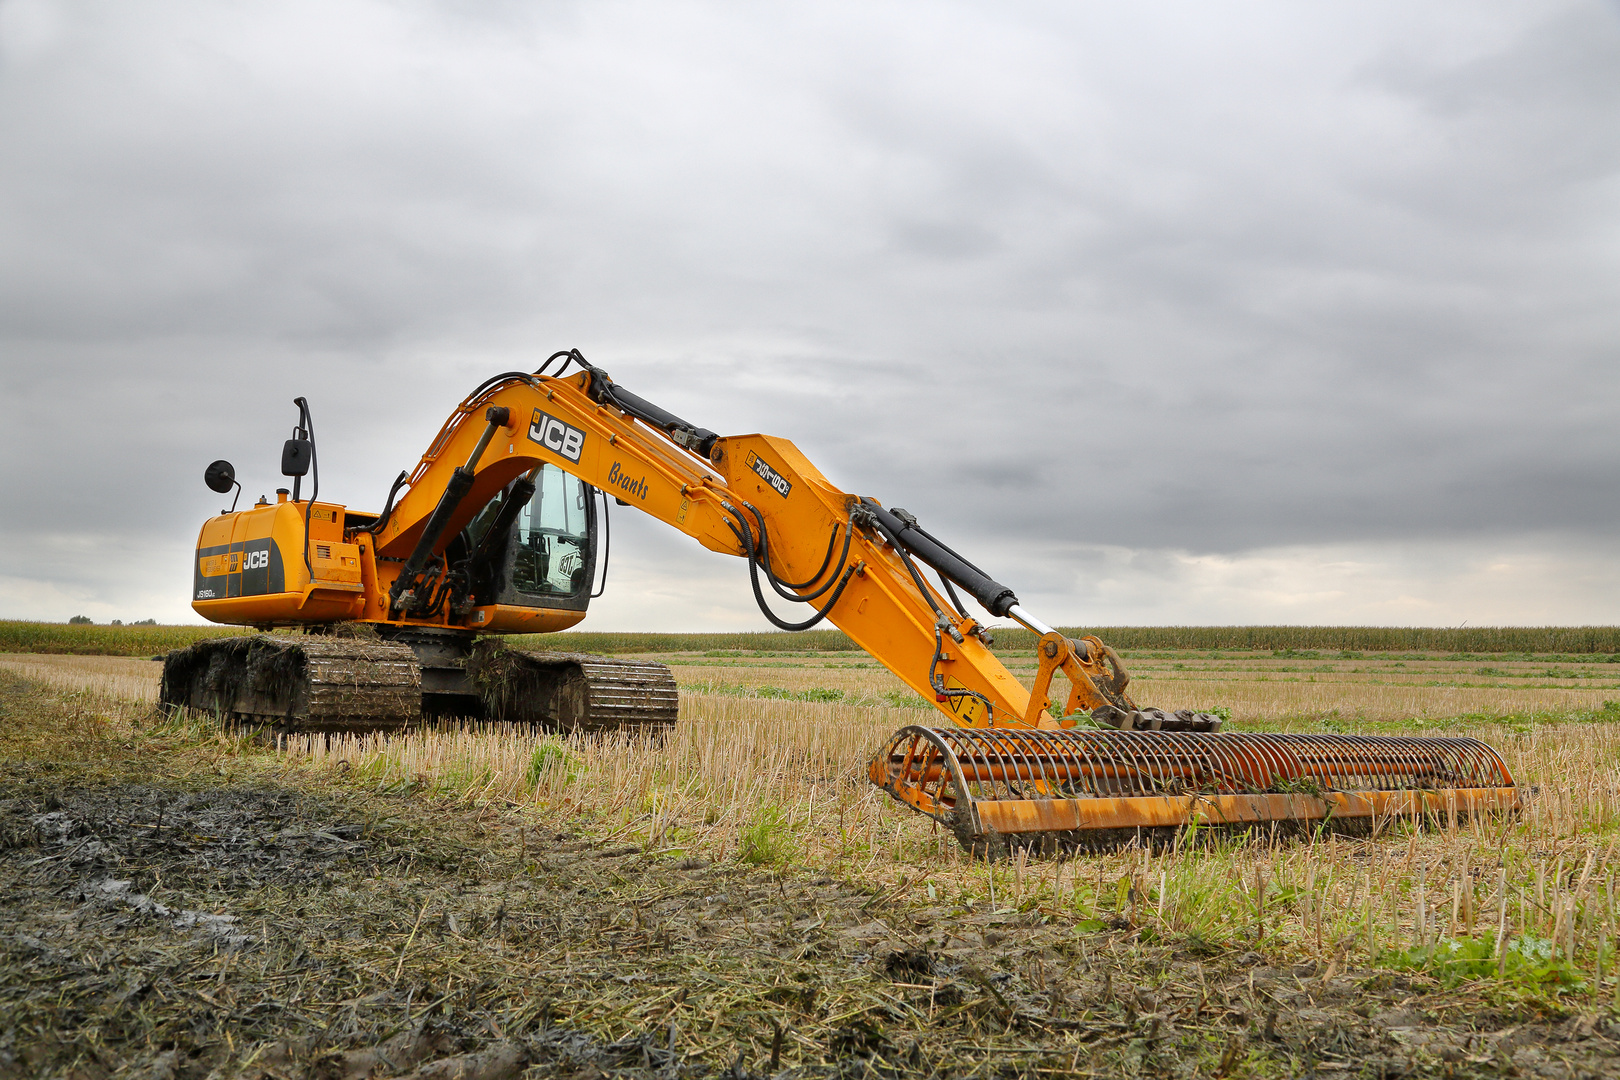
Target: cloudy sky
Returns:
[1162, 312]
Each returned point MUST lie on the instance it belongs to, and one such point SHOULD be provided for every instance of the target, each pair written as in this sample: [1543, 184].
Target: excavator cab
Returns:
[548, 557]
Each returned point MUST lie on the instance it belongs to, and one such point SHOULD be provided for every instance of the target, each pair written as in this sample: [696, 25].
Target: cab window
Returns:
[553, 539]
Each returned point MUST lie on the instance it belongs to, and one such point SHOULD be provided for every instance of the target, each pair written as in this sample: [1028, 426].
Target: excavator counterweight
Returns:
[501, 529]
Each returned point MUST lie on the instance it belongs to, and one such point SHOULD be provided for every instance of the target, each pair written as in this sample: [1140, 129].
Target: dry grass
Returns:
[118, 677]
[769, 780]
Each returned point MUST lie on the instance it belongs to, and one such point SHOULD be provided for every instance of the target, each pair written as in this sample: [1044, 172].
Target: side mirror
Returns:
[220, 476]
[295, 455]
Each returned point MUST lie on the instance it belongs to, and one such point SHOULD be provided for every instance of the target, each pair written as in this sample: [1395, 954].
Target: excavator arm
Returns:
[849, 560]
[1004, 768]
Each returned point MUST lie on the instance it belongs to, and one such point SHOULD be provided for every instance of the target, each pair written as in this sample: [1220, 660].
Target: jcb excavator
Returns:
[496, 532]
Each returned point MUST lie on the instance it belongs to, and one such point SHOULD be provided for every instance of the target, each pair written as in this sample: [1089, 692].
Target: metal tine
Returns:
[1320, 751]
[1200, 764]
[1102, 770]
[1359, 768]
[1380, 765]
[1253, 763]
[1059, 759]
[982, 751]
[1147, 752]
[1024, 770]
[1325, 761]
[1121, 777]
[1214, 764]
[1087, 769]
[1033, 747]
[1028, 769]
[942, 781]
[1144, 775]
[986, 750]
[1103, 777]
[1416, 755]
[1334, 765]
[964, 743]
[1401, 754]
[1166, 758]
[1157, 750]
[1134, 748]
[1228, 762]
[911, 753]
[944, 794]
[1285, 755]
[972, 749]
[1241, 765]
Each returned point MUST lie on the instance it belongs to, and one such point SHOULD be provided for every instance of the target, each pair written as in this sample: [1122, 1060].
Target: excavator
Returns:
[503, 528]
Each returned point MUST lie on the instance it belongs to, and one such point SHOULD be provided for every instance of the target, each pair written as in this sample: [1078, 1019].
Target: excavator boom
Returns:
[852, 561]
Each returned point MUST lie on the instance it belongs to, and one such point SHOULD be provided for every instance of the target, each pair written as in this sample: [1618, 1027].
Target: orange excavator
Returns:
[502, 529]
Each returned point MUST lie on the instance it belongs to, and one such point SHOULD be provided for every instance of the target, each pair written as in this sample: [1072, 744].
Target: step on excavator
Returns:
[503, 528]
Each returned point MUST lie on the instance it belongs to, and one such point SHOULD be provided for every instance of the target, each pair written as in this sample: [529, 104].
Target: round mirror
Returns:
[220, 476]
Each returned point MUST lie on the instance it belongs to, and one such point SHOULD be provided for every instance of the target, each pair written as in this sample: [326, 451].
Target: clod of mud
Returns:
[215, 838]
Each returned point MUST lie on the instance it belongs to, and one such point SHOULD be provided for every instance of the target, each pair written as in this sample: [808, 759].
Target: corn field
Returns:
[19, 636]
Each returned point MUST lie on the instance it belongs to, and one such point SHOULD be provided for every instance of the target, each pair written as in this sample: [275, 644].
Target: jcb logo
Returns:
[234, 562]
[557, 436]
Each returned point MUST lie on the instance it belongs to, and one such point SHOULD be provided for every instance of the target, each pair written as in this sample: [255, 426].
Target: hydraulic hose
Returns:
[745, 537]
[388, 507]
[943, 692]
[307, 425]
[813, 578]
[512, 504]
[777, 585]
[911, 567]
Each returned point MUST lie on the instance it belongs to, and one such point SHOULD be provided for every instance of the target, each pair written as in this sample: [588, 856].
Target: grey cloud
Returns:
[1209, 280]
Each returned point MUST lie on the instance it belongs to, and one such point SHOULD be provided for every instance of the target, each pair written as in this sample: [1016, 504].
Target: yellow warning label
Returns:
[969, 711]
[680, 515]
[323, 513]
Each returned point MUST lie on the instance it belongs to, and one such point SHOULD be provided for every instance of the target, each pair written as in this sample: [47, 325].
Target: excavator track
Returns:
[567, 691]
[298, 684]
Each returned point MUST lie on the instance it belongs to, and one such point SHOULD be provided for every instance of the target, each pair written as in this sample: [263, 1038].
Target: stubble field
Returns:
[750, 902]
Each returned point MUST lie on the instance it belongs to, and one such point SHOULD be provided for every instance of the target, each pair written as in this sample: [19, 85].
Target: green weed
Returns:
[551, 763]
[1529, 961]
[764, 840]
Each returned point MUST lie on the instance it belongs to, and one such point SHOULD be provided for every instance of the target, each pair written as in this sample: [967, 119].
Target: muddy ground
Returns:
[181, 905]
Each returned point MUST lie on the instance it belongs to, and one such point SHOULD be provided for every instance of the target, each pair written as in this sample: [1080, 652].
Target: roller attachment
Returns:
[1052, 789]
